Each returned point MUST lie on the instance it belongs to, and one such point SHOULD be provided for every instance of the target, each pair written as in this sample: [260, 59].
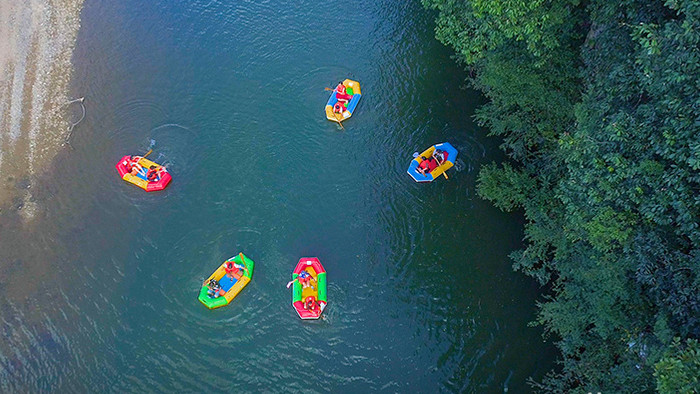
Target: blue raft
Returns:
[439, 170]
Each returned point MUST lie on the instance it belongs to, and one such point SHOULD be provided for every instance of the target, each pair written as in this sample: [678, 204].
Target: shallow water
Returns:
[421, 293]
[36, 41]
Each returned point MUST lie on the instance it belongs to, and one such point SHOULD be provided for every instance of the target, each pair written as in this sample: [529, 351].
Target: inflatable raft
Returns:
[309, 302]
[140, 179]
[353, 89]
[232, 276]
[447, 149]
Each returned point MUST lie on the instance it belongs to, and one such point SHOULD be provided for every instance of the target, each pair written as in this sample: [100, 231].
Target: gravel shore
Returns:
[36, 43]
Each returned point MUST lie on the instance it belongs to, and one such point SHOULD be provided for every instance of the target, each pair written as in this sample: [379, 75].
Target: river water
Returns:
[100, 292]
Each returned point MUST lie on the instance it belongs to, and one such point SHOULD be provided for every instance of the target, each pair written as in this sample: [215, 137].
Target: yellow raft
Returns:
[353, 89]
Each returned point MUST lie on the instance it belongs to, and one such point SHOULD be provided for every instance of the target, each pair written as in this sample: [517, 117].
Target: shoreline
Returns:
[36, 47]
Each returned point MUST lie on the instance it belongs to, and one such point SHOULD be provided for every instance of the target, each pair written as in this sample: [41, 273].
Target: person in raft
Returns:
[305, 279]
[441, 156]
[311, 305]
[155, 173]
[133, 165]
[215, 290]
[427, 165]
[339, 107]
[234, 270]
[343, 97]
[152, 174]
[341, 93]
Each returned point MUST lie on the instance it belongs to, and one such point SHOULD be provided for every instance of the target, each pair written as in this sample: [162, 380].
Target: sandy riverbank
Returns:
[36, 43]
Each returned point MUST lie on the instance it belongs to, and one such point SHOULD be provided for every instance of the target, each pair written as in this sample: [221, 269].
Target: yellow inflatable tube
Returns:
[353, 89]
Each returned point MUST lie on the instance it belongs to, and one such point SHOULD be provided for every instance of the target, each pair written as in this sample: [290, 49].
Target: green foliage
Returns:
[679, 371]
[538, 23]
[608, 229]
[603, 130]
[475, 27]
[505, 187]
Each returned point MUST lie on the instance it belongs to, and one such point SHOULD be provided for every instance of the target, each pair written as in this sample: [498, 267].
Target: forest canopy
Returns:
[598, 107]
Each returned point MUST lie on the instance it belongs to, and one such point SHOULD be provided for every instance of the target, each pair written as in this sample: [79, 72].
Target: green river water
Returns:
[99, 294]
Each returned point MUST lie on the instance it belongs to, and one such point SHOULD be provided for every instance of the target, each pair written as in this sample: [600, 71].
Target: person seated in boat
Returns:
[341, 93]
[441, 156]
[215, 290]
[133, 165]
[339, 107]
[234, 270]
[311, 305]
[427, 165]
[305, 279]
[153, 173]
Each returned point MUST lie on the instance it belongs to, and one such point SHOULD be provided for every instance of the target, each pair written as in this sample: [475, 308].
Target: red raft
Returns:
[159, 179]
[309, 301]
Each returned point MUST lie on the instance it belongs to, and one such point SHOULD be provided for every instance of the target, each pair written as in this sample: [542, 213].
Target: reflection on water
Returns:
[100, 294]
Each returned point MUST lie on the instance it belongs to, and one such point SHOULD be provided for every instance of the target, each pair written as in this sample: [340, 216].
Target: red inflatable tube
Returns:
[160, 184]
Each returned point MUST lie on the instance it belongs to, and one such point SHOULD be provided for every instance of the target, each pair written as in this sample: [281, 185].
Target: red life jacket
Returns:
[432, 164]
[152, 174]
[343, 96]
[310, 304]
[428, 164]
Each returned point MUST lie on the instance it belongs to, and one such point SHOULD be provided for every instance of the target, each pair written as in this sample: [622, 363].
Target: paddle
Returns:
[336, 119]
[245, 265]
[150, 150]
[443, 162]
[295, 279]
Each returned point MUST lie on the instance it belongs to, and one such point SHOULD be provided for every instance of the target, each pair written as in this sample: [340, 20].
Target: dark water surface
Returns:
[421, 292]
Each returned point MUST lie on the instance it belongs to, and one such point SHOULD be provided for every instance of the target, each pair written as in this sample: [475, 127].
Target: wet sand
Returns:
[36, 43]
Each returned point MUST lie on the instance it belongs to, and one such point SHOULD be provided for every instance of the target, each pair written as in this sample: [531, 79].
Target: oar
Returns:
[245, 265]
[150, 149]
[292, 281]
[444, 172]
[336, 119]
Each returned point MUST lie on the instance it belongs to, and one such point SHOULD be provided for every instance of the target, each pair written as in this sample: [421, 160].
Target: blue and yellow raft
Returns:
[439, 170]
[353, 89]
